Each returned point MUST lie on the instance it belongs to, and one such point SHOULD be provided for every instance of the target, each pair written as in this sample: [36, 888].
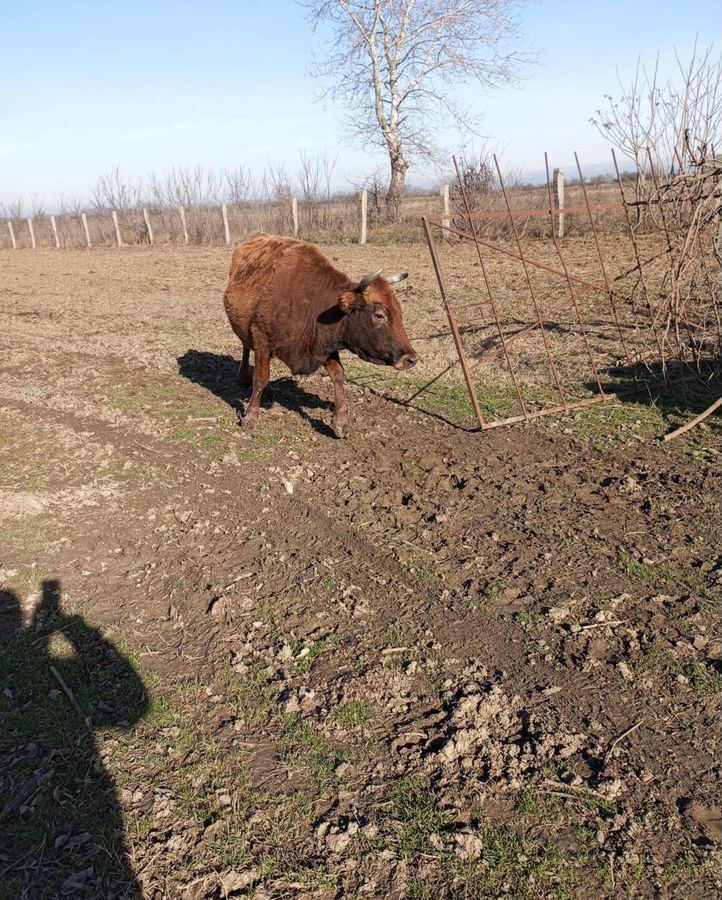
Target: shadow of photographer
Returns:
[61, 684]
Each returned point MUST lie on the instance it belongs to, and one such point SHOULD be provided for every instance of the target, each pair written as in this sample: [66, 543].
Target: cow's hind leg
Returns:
[340, 414]
[245, 376]
[261, 375]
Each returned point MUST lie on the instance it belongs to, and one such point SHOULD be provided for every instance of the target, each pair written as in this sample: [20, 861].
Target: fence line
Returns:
[342, 218]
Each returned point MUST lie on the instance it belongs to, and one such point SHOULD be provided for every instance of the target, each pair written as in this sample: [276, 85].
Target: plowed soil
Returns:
[420, 662]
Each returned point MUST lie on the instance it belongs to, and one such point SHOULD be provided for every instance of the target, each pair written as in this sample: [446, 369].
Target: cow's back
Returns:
[277, 287]
[250, 279]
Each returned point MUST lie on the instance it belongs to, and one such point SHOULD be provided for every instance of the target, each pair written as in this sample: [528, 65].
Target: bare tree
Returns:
[115, 190]
[71, 204]
[392, 62]
[13, 209]
[314, 176]
[670, 125]
[239, 185]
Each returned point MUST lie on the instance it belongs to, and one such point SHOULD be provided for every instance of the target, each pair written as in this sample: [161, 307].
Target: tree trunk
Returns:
[397, 186]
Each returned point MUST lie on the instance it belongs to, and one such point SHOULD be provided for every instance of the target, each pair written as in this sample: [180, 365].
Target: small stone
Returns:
[237, 881]
[469, 845]
[558, 613]
[625, 671]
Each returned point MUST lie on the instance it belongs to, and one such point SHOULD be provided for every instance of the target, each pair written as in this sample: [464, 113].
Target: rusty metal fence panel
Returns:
[581, 321]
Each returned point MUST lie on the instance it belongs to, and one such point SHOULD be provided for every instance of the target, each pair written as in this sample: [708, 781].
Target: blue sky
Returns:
[154, 84]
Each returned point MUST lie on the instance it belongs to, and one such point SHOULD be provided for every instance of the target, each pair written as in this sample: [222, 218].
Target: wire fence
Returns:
[358, 217]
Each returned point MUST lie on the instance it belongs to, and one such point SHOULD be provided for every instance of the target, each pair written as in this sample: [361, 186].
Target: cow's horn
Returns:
[367, 280]
[392, 279]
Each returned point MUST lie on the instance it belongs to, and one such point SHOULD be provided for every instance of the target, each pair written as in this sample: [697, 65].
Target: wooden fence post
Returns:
[364, 217]
[183, 223]
[446, 220]
[84, 220]
[226, 229]
[117, 228]
[54, 226]
[558, 183]
[149, 229]
[32, 233]
[294, 216]
[12, 235]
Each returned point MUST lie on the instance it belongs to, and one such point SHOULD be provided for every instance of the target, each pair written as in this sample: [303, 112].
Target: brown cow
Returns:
[285, 299]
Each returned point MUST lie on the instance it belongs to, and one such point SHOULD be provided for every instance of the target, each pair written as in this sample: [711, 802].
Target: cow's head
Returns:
[374, 325]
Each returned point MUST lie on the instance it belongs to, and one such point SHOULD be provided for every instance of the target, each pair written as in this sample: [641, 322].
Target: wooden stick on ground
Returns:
[69, 694]
[700, 418]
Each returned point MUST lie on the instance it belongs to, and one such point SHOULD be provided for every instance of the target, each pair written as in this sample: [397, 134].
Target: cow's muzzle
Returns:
[406, 361]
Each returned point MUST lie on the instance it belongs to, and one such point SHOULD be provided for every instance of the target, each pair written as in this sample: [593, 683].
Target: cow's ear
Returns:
[350, 300]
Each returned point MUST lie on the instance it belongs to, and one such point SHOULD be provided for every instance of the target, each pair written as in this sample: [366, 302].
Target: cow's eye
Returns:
[380, 315]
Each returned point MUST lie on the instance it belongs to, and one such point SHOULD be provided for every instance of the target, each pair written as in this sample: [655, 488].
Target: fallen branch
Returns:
[69, 694]
[569, 789]
[27, 790]
[621, 738]
[700, 418]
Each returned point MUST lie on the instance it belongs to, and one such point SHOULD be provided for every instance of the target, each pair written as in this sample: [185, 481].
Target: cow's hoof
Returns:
[340, 429]
[251, 420]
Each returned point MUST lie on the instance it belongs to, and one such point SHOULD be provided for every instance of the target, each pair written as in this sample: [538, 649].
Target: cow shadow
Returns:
[61, 682]
[218, 373]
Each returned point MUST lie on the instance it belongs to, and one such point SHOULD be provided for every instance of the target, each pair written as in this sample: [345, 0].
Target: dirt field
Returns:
[422, 662]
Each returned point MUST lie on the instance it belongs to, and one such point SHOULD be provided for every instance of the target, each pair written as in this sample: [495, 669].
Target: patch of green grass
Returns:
[35, 485]
[329, 582]
[665, 574]
[530, 804]
[304, 747]
[354, 714]
[211, 784]
[688, 864]
[494, 591]
[416, 815]
[605, 423]
[444, 396]
[701, 455]
[318, 648]
[513, 864]
[252, 695]
[424, 572]
[666, 668]
[701, 679]
[287, 839]
[163, 401]
[421, 890]
[529, 619]
[210, 443]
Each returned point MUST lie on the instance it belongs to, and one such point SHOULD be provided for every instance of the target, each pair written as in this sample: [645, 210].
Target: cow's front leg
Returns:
[340, 415]
[261, 375]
